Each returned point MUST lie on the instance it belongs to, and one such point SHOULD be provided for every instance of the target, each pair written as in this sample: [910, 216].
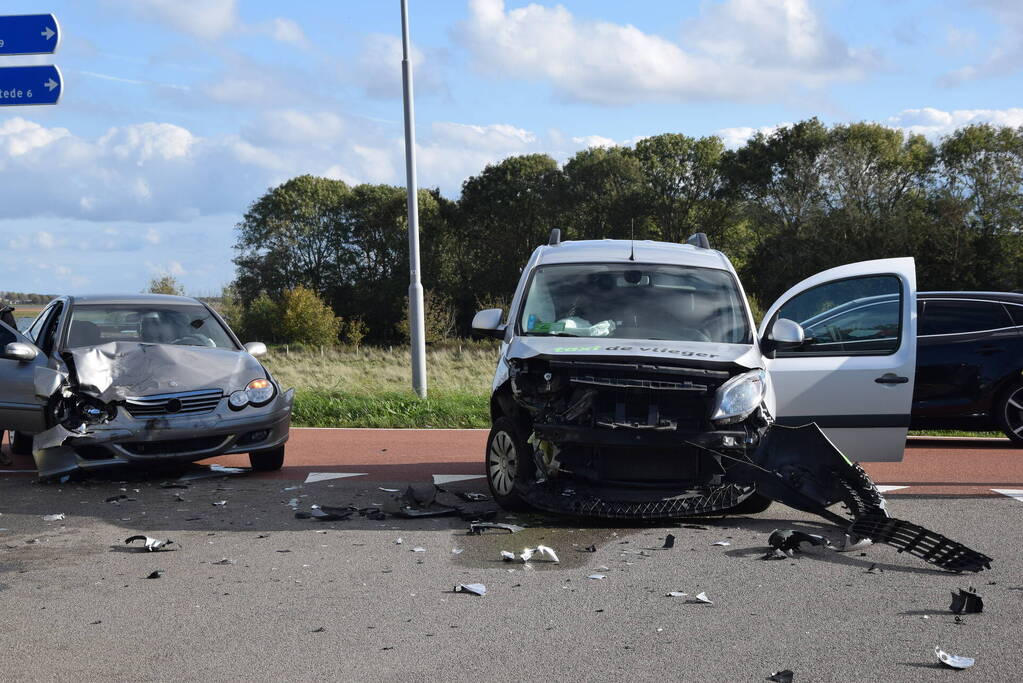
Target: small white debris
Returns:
[220, 503]
[702, 597]
[457, 551]
[53, 518]
[419, 549]
[722, 543]
[507, 556]
[676, 594]
[953, 661]
[597, 577]
[398, 541]
[388, 490]
[473, 588]
[541, 553]
[857, 544]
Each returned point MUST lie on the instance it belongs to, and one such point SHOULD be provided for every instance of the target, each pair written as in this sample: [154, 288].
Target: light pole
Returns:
[415, 289]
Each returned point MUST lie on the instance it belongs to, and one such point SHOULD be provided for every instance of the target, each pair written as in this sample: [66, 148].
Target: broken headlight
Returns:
[739, 396]
[238, 400]
[259, 391]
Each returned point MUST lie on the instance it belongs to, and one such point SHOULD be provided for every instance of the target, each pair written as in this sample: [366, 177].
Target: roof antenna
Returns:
[632, 242]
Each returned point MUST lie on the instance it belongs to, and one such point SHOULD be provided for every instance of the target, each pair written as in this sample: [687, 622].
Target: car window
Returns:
[1016, 312]
[176, 324]
[33, 330]
[960, 317]
[49, 329]
[856, 316]
[635, 301]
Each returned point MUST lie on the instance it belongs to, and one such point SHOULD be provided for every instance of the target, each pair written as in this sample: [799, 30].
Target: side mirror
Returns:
[256, 349]
[487, 323]
[786, 332]
[23, 353]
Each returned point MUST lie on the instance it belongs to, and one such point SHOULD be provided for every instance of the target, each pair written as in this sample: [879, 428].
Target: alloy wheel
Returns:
[1014, 412]
[502, 463]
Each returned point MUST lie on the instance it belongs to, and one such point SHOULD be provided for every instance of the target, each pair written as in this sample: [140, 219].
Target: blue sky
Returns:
[177, 114]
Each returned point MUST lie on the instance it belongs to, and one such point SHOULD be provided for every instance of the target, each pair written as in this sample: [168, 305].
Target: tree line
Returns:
[783, 206]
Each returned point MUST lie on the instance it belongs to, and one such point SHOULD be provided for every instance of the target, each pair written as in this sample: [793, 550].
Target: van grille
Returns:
[185, 403]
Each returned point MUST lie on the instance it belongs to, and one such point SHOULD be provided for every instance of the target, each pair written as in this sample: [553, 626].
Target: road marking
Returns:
[439, 479]
[324, 476]
[1011, 493]
[883, 488]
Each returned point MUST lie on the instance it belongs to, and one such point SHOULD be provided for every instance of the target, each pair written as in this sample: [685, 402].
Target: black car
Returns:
[969, 372]
[969, 355]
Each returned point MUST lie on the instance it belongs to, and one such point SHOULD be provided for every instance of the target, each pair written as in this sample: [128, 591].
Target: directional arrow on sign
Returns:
[26, 85]
[29, 34]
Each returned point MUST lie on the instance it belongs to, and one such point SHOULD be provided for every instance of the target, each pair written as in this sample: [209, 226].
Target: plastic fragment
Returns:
[419, 549]
[220, 503]
[775, 554]
[721, 543]
[53, 518]
[783, 676]
[597, 577]
[457, 551]
[851, 545]
[790, 539]
[675, 594]
[473, 588]
[477, 528]
[874, 569]
[669, 541]
[590, 549]
[953, 661]
[223, 561]
[155, 574]
[702, 597]
[966, 602]
[507, 556]
[541, 553]
[151, 544]
[398, 541]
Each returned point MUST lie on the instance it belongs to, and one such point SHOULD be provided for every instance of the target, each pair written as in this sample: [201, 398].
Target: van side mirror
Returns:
[256, 349]
[487, 323]
[23, 353]
[786, 332]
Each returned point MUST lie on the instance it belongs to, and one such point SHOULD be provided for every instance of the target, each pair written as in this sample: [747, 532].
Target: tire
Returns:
[267, 461]
[1009, 413]
[21, 444]
[753, 505]
[508, 463]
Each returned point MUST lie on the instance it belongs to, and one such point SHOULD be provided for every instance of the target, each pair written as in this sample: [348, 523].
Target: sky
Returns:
[176, 115]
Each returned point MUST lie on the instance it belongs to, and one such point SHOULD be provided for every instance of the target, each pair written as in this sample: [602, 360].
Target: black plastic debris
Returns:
[477, 528]
[223, 561]
[473, 497]
[669, 541]
[117, 498]
[151, 544]
[914, 539]
[477, 512]
[874, 569]
[966, 602]
[173, 485]
[472, 588]
[783, 676]
[318, 630]
[789, 539]
[776, 554]
[327, 513]
[590, 549]
[418, 500]
[375, 514]
[155, 574]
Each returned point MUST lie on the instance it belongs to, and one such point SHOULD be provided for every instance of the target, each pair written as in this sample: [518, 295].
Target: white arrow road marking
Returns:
[887, 488]
[324, 476]
[48, 33]
[439, 479]
[1011, 493]
[51, 84]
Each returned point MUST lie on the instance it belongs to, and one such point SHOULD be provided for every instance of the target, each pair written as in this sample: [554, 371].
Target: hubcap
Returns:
[502, 463]
[1014, 412]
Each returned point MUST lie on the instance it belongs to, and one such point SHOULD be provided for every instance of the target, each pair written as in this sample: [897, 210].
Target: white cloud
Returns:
[737, 136]
[588, 141]
[735, 50]
[378, 68]
[205, 19]
[934, 123]
[1004, 54]
[283, 31]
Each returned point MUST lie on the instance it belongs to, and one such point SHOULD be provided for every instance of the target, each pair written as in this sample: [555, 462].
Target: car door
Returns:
[20, 409]
[856, 382]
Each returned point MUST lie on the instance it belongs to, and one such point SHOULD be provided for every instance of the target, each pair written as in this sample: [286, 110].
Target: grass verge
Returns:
[317, 408]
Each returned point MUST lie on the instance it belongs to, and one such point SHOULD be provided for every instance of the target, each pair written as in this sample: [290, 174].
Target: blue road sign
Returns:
[29, 34]
[21, 85]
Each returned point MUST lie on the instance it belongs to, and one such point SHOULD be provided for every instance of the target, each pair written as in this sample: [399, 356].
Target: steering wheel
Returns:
[196, 340]
[696, 332]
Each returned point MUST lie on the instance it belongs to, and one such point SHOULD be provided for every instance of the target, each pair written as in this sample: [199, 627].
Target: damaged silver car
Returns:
[100, 381]
[632, 383]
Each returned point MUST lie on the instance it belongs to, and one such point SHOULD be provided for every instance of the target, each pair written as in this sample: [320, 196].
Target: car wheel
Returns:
[266, 461]
[1010, 413]
[753, 505]
[21, 444]
[508, 462]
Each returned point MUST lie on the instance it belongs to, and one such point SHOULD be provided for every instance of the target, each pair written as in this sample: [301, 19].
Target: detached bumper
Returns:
[589, 501]
[126, 440]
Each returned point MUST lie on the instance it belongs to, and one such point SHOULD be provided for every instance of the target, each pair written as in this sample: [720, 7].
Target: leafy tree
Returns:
[306, 319]
[604, 194]
[165, 284]
[438, 318]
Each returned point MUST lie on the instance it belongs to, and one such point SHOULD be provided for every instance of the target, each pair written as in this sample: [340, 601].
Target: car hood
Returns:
[118, 370]
[745, 355]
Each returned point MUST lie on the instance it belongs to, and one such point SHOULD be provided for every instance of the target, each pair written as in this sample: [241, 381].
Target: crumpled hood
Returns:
[118, 370]
[745, 355]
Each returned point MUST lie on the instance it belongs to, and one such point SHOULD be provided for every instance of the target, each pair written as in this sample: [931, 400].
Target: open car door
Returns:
[20, 409]
[853, 373]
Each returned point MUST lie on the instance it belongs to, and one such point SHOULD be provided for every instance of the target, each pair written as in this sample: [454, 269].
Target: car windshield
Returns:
[178, 324]
[641, 301]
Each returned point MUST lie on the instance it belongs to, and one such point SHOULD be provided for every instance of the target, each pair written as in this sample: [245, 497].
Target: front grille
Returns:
[184, 403]
[173, 446]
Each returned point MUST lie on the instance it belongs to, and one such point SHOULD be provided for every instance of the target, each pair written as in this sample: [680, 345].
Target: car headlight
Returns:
[259, 391]
[238, 400]
[740, 396]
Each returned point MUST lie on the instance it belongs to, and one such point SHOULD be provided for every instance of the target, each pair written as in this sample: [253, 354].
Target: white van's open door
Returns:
[853, 373]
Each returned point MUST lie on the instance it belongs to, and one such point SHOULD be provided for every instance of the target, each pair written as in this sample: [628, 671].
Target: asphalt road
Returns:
[76, 604]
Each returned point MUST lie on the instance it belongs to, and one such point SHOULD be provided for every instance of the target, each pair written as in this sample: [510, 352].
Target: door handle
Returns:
[891, 378]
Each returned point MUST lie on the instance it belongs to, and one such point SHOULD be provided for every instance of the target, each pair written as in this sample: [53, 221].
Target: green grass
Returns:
[957, 432]
[390, 409]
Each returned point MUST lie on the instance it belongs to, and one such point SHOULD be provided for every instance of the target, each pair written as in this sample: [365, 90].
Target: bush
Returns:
[438, 318]
[306, 319]
[353, 331]
[165, 284]
[260, 320]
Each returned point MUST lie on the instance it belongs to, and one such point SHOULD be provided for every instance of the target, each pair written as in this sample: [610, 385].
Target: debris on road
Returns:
[418, 500]
[473, 497]
[398, 541]
[776, 554]
[669, 541]
[914, 539]
[966, 602]
[223, 561]
[592, 548]
[789, 540]
[721, 543]
[874, 569]
[457, 551]
[597, 577]
[783, 676]
[472, 588]
[507, 556]
[118, 498]
[155, 574]
[220, 503]
[702, 597]
[675, 594]
[53, 518]
[857, 544]
[477, 528]
[419, 549]
[953, 661]
[541, 553]
[151, 544]
[326, 513]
